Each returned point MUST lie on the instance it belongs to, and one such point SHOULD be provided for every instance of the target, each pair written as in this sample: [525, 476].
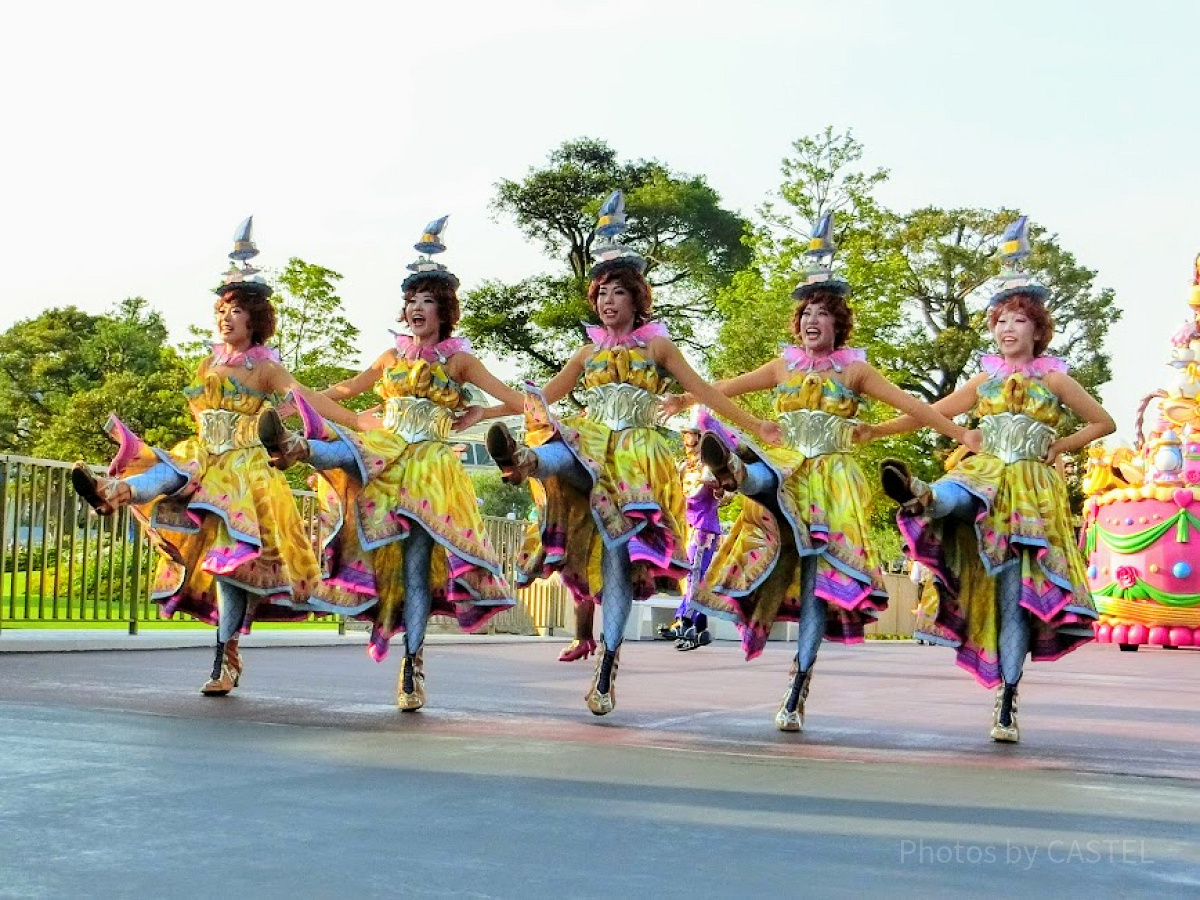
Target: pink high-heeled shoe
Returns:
[580, 648]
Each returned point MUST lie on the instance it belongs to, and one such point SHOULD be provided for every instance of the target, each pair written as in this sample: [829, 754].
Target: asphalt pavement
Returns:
[119, 779]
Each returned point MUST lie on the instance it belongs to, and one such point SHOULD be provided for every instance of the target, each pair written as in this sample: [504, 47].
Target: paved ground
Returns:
[118, 779]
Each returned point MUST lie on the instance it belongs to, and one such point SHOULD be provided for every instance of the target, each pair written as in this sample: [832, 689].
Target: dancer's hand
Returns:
[1055, 451]
[973, 440]
[863, 433]
[470, 416]
[770, 431]
[673, 404]
[369, 420]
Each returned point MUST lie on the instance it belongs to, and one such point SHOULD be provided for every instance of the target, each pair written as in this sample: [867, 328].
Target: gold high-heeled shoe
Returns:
[791, 711]
[410, 687]
[601, 703]
[1010, 733]
[227, 669]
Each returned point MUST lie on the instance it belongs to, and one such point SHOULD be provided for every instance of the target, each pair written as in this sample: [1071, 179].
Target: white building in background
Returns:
[469, 444]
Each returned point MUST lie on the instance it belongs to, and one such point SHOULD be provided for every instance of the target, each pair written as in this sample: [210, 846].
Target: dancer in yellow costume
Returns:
[798, 551]
[400, 520]
[239, 550]
[996, 531]
[610, 503]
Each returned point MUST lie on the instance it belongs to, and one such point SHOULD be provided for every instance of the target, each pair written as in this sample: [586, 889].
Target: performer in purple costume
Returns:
[703, 495]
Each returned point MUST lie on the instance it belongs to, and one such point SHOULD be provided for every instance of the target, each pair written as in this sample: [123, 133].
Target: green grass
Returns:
[78, 613]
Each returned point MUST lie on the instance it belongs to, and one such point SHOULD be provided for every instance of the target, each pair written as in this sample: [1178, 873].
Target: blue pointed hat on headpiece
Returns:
[1014, 278]
[424, 268]
[819, 275]
[246, 277]
[608, 252]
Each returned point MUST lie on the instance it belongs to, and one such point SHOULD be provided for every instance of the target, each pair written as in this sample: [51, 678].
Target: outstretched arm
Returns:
[763, 378]
[363, 381]
[667, 355]
[1079, 401]
[475, 372]
[560, 385]
[865, 379]
[280, 380]
[955, 404]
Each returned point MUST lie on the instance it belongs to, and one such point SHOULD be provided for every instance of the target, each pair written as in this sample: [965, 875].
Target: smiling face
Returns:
[1021, 327]
[822, 322]
[818, 328]
[614, 306]
[233, 321]
[422, 316]
[621, 299]
[1014, 332]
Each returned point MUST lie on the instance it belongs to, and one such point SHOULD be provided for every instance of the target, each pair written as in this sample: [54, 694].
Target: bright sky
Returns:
[137, 135]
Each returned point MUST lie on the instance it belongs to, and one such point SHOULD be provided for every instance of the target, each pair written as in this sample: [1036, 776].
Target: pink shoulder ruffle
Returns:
[798, 358]
[262, 353]
[639, 337]
[1038, 367]
[409, 349]
[257, 353]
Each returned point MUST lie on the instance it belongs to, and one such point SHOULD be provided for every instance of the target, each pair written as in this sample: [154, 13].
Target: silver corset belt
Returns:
[222, 430]
[815, 433]
[1014, 436]
[417, 419]
[621, 406]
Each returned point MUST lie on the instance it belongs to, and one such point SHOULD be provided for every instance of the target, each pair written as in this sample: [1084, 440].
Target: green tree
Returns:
[152, 405]
[531, 320]
[920, 288]
[49, 361]
[314, 337]
[676, 221]
[499, 499]
[942, 263]
[823, 175]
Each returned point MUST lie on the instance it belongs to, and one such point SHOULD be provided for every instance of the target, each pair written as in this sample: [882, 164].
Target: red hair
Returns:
[633, 282]
[843, 316]
[259, 311]
[1043, 324]
[446, 297]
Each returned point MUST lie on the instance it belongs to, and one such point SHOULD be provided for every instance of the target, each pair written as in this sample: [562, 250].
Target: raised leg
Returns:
[326, 455]
[157, 481]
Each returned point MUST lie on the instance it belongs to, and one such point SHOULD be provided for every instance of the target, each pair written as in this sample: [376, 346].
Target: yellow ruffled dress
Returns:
[408, 474]
[236, 516]
[635, 495]
[825, 499]
[1024, 515]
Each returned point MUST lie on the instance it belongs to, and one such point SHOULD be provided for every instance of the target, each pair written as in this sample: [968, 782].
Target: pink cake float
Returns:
[1142, 513]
